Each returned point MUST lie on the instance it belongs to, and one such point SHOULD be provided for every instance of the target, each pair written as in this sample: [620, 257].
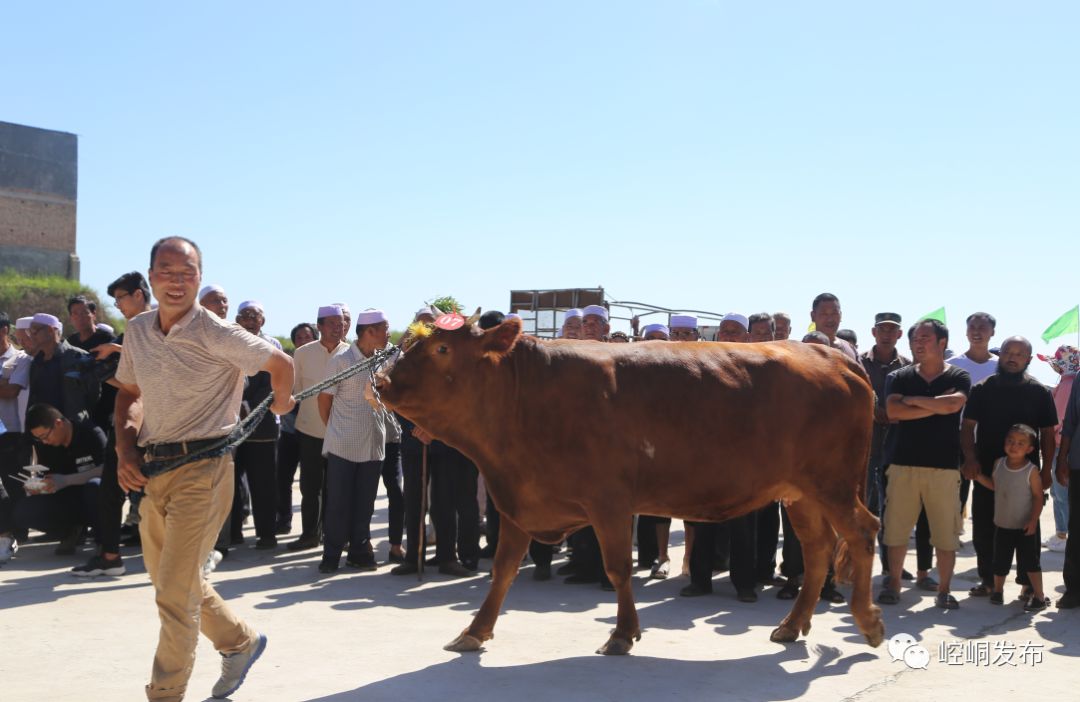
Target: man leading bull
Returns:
[180, 378]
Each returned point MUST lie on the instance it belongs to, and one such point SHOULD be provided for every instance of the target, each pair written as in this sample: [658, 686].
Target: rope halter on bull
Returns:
[244, 428]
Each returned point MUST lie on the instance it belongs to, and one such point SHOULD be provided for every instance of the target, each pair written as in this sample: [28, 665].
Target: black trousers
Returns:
[288, 458]
[1071, 569]
[982, 531]
[648, 546]
[14, 455]
[740, 533]
[793, 565]
[350, 502]
[110, 501]
[256, 459]
[454, 484]
[539, 553]
[1009, 541]
[61, 511]
[391, 477]
[312, 481]
[768, 538]
[411, 471]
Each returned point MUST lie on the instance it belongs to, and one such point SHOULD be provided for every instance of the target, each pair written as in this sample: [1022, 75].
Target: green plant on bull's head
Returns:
[447, 304]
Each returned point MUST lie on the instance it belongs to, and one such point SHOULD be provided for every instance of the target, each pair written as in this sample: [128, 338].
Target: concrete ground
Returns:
[374, 636]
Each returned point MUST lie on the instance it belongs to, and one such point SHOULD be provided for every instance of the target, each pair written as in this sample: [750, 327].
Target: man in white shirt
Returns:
[311, 362]
[980, 365]
[354, 447]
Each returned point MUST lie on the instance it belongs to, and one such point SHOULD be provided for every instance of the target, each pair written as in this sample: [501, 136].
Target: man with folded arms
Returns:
[181, 378]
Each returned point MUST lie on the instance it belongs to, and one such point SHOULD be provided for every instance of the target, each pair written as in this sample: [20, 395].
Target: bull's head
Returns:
[443, 372]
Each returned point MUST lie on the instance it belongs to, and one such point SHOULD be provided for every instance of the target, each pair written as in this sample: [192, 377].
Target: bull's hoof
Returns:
[616, 646]
[876, 635]
[464, 643]
[784, 634]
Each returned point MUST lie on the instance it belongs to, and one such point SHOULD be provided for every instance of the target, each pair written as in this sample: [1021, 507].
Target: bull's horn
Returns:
[473, 319]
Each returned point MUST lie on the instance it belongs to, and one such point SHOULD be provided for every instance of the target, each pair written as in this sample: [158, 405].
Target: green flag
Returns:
[938, 314]
[1068, 323]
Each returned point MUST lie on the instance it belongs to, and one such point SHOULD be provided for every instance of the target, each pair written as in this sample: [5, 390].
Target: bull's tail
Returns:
[843, 565]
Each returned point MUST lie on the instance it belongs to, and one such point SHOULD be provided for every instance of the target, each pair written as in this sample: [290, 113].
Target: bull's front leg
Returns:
[614, 534]
[513, 542]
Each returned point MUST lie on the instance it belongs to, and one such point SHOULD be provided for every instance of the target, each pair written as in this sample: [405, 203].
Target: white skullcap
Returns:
[48, 320]
[571, 313]
[598, 310]
[250, 304]
[736, 317]
[652, 328]
[106, 328]
[344, 309]
[511, 315]
[370, 317]
[23, 323]
[680, 321]
[425, 310]
[210, 289]
[330, 311]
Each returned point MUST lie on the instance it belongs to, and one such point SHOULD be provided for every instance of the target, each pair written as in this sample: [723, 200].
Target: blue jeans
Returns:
[1061, 502]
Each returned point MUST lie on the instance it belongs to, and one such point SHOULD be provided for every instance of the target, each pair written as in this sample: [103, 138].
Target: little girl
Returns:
[1018, 501]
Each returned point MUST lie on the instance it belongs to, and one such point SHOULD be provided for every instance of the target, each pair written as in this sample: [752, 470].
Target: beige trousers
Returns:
[179, 521]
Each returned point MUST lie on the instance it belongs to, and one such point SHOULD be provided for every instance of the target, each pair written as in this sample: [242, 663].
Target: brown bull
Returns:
[698, 431]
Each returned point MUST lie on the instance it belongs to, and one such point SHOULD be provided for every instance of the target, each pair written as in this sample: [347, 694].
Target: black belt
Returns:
[180, 448]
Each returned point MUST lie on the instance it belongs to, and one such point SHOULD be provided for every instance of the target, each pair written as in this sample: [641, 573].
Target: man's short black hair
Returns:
[983, 315]
[5, 321]
[761, 317]
[172, 239]
[302, 325]
[129, 283]
[824, 297]
[848, 335]
[41, 416]
[940, 330]
[81, 300]
[816, 337]
[491, 319]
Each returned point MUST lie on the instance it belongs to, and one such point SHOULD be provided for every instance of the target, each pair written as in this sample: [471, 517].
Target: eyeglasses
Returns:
[45, 438]
[120, 296]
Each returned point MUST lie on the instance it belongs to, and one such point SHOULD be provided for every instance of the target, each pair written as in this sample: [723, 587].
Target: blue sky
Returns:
[710, 155]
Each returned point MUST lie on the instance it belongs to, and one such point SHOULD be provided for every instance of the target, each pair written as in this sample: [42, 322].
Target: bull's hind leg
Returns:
[855, 561]
[818, 543]
[513, 542]
[614, 535]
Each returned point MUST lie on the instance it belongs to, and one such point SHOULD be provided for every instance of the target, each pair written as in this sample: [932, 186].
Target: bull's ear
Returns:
[499, 340]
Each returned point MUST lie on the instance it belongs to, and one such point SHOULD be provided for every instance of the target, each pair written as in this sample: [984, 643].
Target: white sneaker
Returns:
[234, 668]
[1055, 543]
[8, 548]
[212, 561]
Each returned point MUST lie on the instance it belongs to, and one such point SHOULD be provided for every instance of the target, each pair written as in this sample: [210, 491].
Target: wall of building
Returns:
[38, 194]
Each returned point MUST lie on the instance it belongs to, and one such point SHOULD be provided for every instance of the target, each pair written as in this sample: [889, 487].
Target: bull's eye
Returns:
[443, 348]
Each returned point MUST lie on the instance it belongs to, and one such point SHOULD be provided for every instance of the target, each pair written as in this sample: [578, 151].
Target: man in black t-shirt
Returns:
[1008, 397]
[926, 399]
[66, 502]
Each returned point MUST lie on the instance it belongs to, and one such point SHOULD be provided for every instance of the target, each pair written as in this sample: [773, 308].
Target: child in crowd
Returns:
[1018, 501]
